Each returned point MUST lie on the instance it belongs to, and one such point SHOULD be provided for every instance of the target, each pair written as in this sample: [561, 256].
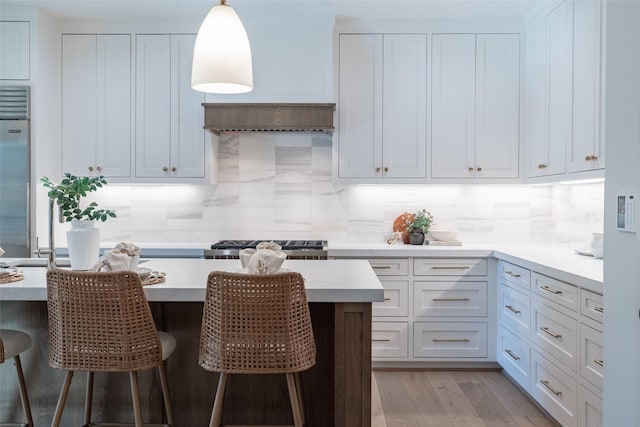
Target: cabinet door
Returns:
[360, 106]
[585, 152]
[79, 93]
[153, 105]
[113, 125]
[404, 106]
[497, 105]
[14, 50]
[187, 132]
[558, 67]
[453, 105]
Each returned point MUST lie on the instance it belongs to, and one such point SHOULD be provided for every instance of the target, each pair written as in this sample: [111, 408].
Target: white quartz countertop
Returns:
[325, 281]
[559, 262]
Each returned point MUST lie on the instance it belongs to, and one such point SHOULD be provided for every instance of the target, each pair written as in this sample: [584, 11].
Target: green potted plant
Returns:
[418, 226]
[83, 239]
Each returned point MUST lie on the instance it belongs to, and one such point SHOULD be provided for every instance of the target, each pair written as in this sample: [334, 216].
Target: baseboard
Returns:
[436, 366]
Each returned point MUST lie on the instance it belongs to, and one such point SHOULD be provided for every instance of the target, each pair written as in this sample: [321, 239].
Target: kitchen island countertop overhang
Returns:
[186, 279]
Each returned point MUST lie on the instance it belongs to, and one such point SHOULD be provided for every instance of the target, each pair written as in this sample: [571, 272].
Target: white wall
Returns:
[621, 271]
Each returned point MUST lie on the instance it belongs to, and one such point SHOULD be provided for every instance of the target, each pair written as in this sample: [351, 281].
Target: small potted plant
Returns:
[83, 239]
[418, 226]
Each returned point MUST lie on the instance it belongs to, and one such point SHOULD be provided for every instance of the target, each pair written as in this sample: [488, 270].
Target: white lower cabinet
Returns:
[457, 299]
[554, 389]
[592, 363]
[514, 356]
[590, 408]
[439, 339]
[389, 339]
[555, 333]
[396, 299]
[514, 310]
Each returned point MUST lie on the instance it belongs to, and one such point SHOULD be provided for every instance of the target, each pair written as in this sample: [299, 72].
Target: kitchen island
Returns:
[336, 391]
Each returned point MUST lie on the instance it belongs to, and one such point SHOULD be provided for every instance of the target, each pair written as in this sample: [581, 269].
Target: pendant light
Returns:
[222, 54]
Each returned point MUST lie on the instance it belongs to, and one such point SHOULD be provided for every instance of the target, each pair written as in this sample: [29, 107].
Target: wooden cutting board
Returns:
[400, 224]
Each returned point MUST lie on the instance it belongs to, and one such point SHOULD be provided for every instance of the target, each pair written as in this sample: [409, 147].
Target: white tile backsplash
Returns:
[280, 186]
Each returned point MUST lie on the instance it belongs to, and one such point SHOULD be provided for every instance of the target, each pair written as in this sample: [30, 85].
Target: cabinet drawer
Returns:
[449, 339]
[555, 333]
[514, 357]
[396, 299]
[591, 305]
[462, 299]
[555, 290]
[450, 267]
[514, 275]
[591, 366]
[590, 408]
[554, 390]
[389, 339]
[390, 266]
[514, 310]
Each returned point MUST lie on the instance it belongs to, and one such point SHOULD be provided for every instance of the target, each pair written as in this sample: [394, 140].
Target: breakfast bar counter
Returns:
[336, 391]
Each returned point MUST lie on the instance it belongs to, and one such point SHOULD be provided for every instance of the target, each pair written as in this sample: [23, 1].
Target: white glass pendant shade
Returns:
[222, 54]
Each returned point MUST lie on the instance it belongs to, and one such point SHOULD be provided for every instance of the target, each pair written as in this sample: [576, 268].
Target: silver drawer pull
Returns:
[510, 307]
[510, 353]
[381, 340]
[548, 289]
[599, 309]
[382, 267]
[546, 384]
[450, 267]
[599, 362]
[387, 299]
[450, 340]
[451, 299]
[548, 331]
[512, 274]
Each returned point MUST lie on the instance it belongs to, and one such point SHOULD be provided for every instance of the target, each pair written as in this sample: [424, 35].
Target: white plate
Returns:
[583, 252]
[142, 271]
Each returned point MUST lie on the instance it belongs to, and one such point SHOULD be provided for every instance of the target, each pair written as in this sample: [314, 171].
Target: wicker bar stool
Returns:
[257, 324]
[101, 322]
[12, 344]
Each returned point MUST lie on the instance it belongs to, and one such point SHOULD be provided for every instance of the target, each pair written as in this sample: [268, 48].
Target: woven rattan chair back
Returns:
[100, 322]
[256, 324]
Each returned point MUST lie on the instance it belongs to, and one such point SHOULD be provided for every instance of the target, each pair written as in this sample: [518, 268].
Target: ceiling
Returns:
[370, 9]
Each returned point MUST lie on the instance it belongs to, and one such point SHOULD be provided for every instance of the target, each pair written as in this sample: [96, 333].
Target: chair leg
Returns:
[165, 394]
[88, 399]
[135, 395]
[293, 396]
[216, 414]
[62, 399]
[22, 386]
[300, 398]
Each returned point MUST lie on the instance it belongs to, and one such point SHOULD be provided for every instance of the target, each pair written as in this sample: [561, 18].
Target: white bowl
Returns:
[444, 235]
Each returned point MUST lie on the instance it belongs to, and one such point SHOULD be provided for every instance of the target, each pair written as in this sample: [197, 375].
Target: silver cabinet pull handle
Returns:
[381, 340]
[382, 267]
[387, 299]
[450, 299]
[548, 331]
[599, 309]
[450, 340]
[510, 307]
[378, 169]
[512, 274]
[510, 353]
[599, 362]
[546, 384]
[99, 168]
[90, 168]
[386, 169]
[542, 166]
[164, 168]
[548, 289]
[450, 267]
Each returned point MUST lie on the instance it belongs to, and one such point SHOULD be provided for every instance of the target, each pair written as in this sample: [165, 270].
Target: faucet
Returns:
[51, 252]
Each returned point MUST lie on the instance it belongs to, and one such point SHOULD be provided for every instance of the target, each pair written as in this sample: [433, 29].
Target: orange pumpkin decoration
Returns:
[400, 224]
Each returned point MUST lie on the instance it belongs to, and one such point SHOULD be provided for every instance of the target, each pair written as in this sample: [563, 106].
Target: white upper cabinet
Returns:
[475, 106]
[169, 119]
[382, 102]
[96, 104]
[14, 50]
[586, 149]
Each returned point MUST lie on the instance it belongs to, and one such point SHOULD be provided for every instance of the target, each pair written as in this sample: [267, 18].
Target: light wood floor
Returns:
[451, 399]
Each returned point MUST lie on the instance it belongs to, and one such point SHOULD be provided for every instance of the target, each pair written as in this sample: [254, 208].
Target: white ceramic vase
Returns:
[83, 241]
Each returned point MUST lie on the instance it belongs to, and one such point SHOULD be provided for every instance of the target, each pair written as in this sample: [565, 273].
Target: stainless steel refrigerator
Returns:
[14, 171]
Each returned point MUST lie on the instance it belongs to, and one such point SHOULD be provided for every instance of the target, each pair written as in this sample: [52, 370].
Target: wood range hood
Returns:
[268, 117]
